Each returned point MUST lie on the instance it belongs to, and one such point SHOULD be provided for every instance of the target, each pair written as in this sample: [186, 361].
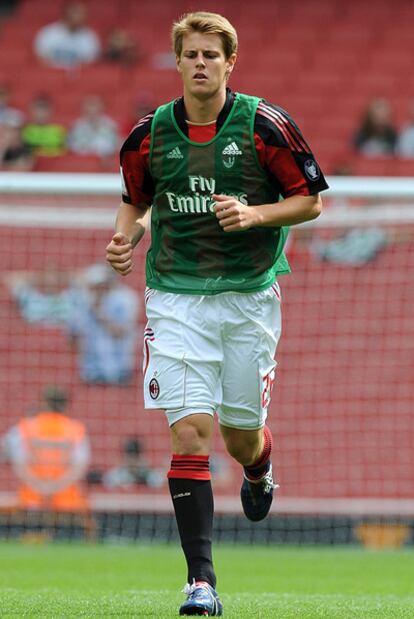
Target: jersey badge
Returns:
[154, 388]
[229, 154]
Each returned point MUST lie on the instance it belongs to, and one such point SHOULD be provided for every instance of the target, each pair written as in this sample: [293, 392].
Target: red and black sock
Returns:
[190, 486]
[259, 468]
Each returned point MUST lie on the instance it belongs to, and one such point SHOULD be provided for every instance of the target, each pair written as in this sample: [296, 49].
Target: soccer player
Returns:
[212, 164]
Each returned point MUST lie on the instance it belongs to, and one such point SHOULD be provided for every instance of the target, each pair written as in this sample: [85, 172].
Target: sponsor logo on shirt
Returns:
[311, 170]
[175, 153]
[230, 152]
[199, 198]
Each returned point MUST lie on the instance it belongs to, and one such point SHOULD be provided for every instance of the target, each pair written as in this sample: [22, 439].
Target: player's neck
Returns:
[204, 111]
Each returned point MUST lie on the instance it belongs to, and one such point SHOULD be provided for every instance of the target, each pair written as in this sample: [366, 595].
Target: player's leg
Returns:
[245, 446]
[189, 480]
[252, 449]
[253, 330]
[179, 340]
[191, 492]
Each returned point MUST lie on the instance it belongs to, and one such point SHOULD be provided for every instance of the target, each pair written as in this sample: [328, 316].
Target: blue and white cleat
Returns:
[202, 600]
[257, 496]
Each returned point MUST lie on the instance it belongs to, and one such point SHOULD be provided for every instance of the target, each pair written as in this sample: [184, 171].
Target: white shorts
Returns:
[212, 354]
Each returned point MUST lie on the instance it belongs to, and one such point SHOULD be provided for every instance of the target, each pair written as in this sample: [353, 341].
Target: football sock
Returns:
[190, 486]
[259, 468]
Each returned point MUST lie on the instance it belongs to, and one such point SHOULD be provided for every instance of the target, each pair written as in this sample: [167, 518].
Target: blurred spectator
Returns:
[8, 7]
[8, 114]
[355, 247]
[94, 133]
[15, 155]
[49, 453]
[143, 106]
[99, 313]
[120, 48]
[133, 469]
[102, 327]
[69, 42]
[43, 297]
[44, 136]
[405, 144]
[377, 135]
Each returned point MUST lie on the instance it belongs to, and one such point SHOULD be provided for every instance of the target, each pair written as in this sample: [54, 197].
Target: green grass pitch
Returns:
[81, 580]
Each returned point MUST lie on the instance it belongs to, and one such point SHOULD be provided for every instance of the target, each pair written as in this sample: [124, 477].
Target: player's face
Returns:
[203, 65]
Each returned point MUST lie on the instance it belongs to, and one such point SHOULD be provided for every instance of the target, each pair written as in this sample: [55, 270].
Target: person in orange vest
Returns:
[49, 453]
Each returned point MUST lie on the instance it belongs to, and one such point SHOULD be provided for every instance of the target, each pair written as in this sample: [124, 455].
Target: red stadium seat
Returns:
[380, 166]
[69, 163]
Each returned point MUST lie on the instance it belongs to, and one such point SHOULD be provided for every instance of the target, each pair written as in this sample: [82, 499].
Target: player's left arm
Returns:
[234, 216]
[290, 165]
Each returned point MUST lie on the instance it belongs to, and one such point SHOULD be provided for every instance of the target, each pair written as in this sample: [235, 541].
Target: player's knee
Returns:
[245, 453]
[243, 445]
[190, 438]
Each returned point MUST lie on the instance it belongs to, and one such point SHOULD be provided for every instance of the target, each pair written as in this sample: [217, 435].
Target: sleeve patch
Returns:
[311, 169]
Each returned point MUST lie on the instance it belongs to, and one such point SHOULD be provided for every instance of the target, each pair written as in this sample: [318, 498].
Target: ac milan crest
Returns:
[154, 388]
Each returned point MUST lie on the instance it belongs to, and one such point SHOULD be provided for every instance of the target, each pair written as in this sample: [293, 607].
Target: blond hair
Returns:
[207, 23]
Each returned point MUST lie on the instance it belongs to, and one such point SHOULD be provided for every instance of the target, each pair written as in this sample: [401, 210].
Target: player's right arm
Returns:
[131, 223]
[137, 191]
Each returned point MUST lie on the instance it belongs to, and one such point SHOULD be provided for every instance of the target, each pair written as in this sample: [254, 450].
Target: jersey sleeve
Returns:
[137, 183]
[284, 153]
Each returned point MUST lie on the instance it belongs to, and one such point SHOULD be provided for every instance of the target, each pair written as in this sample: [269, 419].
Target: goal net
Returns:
[341, 411]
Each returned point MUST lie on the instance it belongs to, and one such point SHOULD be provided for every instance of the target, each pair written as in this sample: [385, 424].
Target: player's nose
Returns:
[200, 60]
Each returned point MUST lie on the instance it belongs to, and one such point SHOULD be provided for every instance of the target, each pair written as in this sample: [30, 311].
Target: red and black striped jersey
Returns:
[282, 151]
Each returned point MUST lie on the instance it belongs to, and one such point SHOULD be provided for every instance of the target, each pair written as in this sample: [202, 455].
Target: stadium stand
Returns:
[320, 60]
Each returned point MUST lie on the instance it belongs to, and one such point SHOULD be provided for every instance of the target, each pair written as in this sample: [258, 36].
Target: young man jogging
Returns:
[212, 164]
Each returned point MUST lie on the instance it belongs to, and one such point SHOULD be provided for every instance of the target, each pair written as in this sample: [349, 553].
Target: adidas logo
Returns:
[232, 149]
[175, 153]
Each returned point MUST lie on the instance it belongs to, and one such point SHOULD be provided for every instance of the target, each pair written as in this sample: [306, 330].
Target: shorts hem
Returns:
[174, 415]
[161, 405]
[240, 427]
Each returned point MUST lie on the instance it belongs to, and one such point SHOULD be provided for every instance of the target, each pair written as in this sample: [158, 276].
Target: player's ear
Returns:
[231, 61]
[178, 64]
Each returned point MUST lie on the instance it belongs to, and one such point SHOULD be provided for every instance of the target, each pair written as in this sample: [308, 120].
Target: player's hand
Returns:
[119, 253]
[232, 215]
